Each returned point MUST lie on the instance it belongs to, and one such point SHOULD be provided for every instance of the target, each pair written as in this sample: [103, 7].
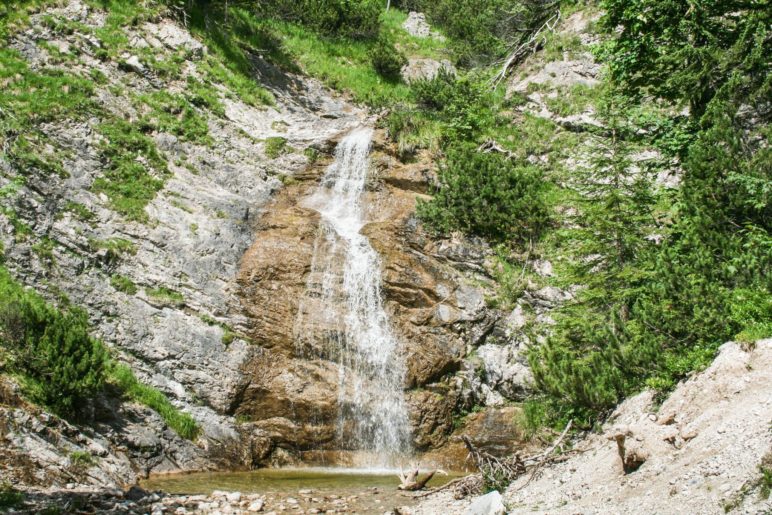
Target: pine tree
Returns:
[587, 361]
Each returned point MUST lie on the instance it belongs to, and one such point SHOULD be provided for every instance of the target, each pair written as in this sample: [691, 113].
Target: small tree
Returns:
[589, 362]
[487, 194]
[387, 60]
[53, 350]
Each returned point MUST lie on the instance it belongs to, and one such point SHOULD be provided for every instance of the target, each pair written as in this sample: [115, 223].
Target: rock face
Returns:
[219, 261]
[434, 308]
[191, 344]
[39, 448]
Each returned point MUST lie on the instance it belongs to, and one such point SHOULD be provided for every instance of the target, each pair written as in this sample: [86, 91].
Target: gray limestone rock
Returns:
[488, 504]
[424, 68]
[416, 25]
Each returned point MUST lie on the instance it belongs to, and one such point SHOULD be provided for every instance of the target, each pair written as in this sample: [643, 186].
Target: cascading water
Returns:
[344, 295]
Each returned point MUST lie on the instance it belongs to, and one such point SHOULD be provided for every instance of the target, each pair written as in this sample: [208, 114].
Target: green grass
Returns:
[82, 459]
[30, 98]
[116, 246]
[275, 146]
[165, 295]
[182, 423]
[341, 63]
[134, 169]
[174, 114]
[80, 212]
[123, 284]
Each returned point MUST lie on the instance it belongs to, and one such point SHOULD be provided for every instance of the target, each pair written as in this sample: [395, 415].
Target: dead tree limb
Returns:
[493, 470]
[410, 482]
[534, 43]
[492, 145]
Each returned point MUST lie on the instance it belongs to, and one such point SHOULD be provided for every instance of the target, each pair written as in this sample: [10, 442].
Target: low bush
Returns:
[487, 194]
[62, 364]
[357, 20]
[387, 60]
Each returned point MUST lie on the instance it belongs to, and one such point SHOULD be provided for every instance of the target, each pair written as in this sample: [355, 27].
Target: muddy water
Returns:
[300, 490]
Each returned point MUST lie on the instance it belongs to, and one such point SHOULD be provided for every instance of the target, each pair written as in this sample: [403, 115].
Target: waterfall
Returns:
[343, 297]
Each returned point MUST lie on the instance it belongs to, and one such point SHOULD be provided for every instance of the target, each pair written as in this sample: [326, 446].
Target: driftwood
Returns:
[534, 43]
[410, 482]
[500, 470]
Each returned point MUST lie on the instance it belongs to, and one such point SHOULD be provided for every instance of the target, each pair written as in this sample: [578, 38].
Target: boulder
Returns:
[418, 68]
[416, 25]
[488, 504]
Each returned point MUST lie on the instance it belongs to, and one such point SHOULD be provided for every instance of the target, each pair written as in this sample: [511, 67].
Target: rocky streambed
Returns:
[267, 491]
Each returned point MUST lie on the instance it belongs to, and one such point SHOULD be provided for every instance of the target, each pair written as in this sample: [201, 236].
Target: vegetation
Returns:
[61, 366]
[82, 459]
[655, 313]
[9, 496]
[275, 146]
[134, 169]
[123, 284]
[666, 275]
[387, 60]
[182, 423]
[166, 295]
[487, 194]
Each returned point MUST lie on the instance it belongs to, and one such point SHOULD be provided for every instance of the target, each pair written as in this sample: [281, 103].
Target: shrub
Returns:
[462, 104]
[358, 19]
[63, 364]
[487, 194]
[9, 496]
[81, 459]
[387, 60]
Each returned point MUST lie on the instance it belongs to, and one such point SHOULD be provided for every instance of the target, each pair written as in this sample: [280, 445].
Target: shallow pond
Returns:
[301, 489]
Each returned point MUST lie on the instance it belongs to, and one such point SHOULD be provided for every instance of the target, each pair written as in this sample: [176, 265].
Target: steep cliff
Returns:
[192, 268]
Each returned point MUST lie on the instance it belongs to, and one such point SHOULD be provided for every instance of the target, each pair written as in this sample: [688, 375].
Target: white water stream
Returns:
[345, 284]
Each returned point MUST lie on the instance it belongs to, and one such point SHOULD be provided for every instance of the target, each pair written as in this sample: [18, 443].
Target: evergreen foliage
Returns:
[588, 363]
[387, 60]
[63, 364]
[651, 314]
[354, 19]
[486, 194]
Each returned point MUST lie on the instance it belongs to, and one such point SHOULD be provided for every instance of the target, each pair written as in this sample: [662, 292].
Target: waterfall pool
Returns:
[300, 489]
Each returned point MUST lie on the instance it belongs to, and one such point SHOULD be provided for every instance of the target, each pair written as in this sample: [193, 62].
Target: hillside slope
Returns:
[700, 451]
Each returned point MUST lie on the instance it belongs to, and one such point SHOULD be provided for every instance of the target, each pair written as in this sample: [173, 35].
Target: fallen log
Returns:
[410, 482]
